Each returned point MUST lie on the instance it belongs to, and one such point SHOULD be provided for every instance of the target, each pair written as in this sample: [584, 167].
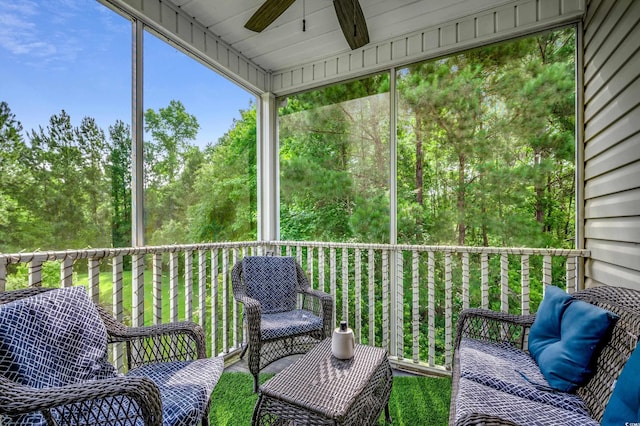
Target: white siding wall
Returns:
[612, 142]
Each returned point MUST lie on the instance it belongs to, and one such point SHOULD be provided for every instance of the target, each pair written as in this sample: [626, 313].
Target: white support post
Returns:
[396, 255]
[137, 130]
[268, 169]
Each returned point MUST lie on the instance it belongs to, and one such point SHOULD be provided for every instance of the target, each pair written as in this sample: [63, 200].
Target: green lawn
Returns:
[106, 297]
[414, 400]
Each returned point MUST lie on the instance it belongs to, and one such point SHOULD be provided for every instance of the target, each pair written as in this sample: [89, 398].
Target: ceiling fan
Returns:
[349, 13]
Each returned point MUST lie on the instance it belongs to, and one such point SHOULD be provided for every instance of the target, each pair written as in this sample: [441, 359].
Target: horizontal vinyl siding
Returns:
[621, 204]
[624, 255]
[612, 142]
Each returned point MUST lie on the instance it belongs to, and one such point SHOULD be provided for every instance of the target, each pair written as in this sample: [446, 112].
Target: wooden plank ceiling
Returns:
[284, 43]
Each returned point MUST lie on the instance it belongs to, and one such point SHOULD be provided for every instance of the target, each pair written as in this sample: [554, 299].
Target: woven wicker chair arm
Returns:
[18, 399]
[484, 324]
[317, 293]
[186, 329]
[246, 300]
[251, 306]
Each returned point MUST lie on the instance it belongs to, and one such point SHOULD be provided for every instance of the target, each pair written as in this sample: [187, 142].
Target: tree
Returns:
[224, 204]
[171, 129]
[166, 157]
[334, 163]
[120, 175]
[16, 178]
[69, 184]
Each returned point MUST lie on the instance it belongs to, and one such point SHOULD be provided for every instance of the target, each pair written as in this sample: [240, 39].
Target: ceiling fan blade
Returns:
[266, 14]
[352, 22]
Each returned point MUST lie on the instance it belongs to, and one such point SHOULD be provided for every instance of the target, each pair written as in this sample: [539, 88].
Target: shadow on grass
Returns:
[414, 400]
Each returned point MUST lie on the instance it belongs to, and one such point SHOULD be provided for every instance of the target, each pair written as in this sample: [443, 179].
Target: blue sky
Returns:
[76, 55]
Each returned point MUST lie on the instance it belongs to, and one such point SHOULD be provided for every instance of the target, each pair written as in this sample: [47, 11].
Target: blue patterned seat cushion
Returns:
[185, 387]
[474, 398]
[282, 324]
[508, 369]
[272, 281]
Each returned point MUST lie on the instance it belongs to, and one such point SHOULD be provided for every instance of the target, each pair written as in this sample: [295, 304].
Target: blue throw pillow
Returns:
[564, 337]
[624, 405]
[546, 327]
[52, 339]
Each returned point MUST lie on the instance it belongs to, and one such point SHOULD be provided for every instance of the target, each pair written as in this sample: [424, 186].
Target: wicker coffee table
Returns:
[319, 389]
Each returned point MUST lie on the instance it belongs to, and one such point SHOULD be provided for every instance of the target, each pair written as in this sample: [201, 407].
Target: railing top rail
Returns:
[101, 253]
[437, 248]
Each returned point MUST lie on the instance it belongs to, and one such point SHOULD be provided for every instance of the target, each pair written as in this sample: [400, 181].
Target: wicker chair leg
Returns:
[205, 416]
[244, 350]
[387, 415]
[255, 383]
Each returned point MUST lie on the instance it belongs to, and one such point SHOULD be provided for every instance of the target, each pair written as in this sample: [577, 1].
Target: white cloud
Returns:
[33, 29]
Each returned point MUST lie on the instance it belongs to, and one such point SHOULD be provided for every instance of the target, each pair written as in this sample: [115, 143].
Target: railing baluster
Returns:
[484, 267]
[546, 270]
[321, 269]
[345, 285]
[431, 310]
[225, 300]
[465, 280]
[332, 282]
[524, 274]
[358, 294]
[157, 288]
[173, 287]
[385, 299]
[66, 272]
[372, 297]
[571, 275]
[399, 308]
[504, 282]
[3, 275]
[214, 303]
[202, 288]
[35, 273]
[310, 265]
[415, 278]
[137, 291]
[94, 280]
[188, 285]
[117, 308]
[448, 311]
[236, 322]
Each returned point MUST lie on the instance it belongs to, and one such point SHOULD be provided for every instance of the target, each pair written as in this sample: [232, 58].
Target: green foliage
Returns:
[120, 174]
[225, 188]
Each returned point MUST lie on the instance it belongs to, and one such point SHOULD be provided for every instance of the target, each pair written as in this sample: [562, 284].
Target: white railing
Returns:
[401, 297]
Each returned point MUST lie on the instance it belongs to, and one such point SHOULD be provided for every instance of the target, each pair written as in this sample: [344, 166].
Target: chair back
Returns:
[272, 280]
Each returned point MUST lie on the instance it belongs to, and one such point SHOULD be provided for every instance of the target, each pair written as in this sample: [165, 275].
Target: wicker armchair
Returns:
[487, 326]
[284, 316]
[169, 376]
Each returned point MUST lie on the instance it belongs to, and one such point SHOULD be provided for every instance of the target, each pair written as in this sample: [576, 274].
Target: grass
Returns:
[413, 400]
[106, 294]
